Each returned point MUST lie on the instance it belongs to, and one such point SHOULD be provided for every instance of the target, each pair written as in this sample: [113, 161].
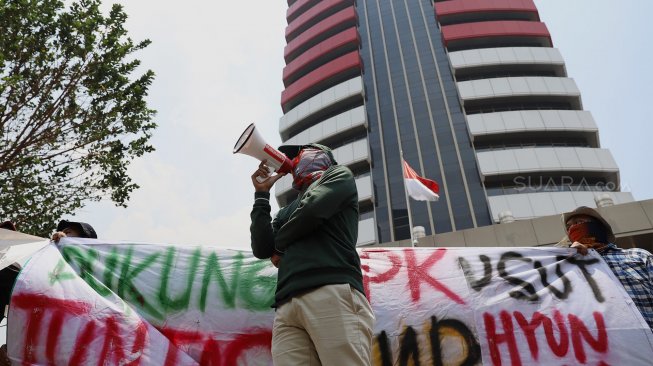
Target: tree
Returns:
[72, 114]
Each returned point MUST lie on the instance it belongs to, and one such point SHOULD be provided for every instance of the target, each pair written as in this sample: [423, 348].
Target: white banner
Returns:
[85, 302]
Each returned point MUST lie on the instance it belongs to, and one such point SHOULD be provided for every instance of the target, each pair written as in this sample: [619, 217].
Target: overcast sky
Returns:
[218, 67]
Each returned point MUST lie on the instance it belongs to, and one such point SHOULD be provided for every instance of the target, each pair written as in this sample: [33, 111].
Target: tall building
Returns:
[471, 91]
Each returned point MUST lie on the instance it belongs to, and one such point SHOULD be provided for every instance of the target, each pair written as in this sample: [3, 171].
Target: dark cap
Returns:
[8, 225]
[85, 230]
[291, 151]
[584, 210]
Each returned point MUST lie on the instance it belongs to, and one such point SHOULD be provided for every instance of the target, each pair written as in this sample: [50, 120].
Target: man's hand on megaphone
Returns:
[268, 181]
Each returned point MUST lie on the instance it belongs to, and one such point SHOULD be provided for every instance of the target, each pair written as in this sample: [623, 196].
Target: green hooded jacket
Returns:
[315, 234]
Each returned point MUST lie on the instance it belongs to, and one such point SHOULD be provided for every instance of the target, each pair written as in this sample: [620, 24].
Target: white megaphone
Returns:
[251, 143]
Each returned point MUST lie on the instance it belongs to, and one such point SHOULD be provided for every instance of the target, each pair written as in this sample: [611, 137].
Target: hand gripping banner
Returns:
[86, 302]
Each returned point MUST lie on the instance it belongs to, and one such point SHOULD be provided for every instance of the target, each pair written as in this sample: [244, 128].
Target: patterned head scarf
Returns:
[308, 167]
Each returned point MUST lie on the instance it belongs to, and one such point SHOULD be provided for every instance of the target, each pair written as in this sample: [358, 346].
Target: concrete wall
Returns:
[632, 224]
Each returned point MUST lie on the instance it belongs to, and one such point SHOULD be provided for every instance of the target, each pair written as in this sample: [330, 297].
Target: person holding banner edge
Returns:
[322, 315]
[73, 229]
[587, 229]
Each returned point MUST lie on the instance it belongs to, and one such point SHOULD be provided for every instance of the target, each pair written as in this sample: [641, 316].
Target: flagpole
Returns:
[410, 219]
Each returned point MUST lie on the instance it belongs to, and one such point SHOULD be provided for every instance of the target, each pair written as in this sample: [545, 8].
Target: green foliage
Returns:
[72, 113]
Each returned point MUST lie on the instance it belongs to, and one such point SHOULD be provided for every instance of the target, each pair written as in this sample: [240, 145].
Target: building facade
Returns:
[472, 92]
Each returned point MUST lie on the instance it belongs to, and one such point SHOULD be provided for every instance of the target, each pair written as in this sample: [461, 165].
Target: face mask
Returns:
[588, 233]
[308, 167]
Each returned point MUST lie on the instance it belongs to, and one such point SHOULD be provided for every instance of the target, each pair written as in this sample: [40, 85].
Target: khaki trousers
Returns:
[331, 326]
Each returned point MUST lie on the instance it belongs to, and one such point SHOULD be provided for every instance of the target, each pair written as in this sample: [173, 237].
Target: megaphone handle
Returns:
[261, 179]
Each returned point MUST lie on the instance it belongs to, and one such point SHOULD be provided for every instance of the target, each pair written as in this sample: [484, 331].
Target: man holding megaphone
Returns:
[322, 315]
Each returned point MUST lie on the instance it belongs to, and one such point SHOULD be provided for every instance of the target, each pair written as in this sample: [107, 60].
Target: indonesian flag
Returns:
[419, 188]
